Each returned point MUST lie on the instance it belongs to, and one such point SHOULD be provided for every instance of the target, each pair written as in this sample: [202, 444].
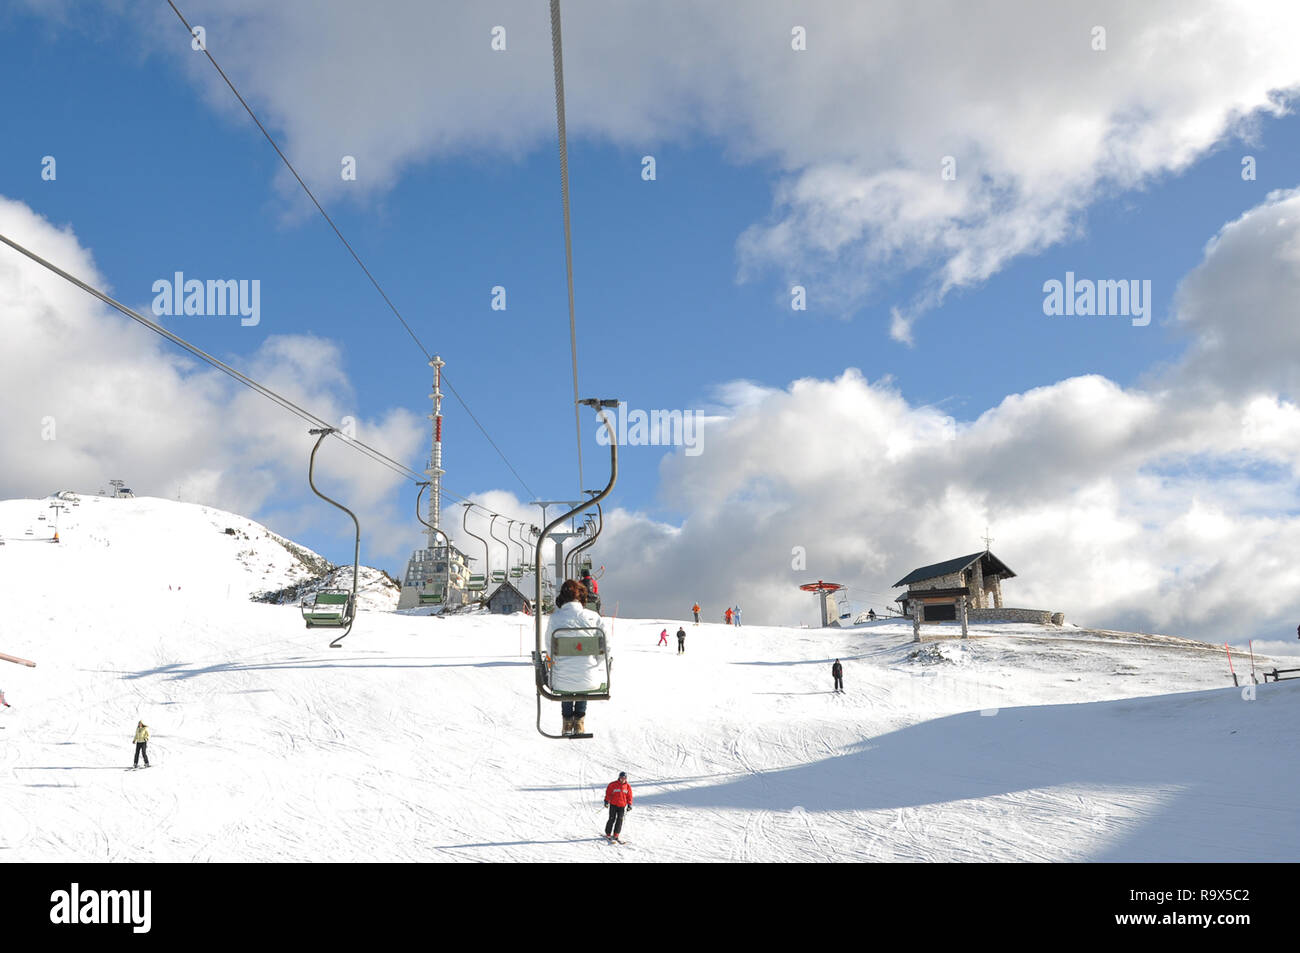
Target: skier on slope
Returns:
[681, 640]
[2, 699]
[737, 615]
[141, 743]
[663, 638]
[696, 609]
[837, 672]
[618, 798]
[726, 616]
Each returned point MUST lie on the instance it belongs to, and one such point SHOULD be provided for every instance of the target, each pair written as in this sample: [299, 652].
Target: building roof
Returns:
[992, 565]
[507, 585]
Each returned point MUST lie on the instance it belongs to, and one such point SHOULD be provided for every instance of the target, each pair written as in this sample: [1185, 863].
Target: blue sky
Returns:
[154, 179]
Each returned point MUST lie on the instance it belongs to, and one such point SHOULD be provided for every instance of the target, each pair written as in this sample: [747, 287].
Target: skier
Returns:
[618, 798]
[737, 615]
[2, 699]
[871, 615]
[837, 672]
[726, 616]
[696, 609]
[579, 672]
[681, 640]
[141, 743]
[663, 637]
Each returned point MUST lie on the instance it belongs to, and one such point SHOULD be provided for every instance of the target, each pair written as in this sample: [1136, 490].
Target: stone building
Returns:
[935, 590]
[962, 589]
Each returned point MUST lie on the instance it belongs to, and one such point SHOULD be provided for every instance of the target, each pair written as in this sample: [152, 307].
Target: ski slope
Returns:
[415, 740]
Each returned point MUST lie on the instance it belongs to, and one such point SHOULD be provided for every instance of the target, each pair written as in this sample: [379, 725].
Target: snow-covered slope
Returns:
[116, 551]
[416, 738]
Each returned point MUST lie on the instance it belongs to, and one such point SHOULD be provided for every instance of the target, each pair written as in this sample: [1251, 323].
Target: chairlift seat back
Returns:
[579, 662]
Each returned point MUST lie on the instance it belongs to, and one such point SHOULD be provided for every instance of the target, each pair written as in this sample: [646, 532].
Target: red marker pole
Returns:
[1230, 669]
[1251, 645]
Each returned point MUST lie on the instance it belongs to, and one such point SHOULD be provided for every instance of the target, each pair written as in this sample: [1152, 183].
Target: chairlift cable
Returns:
[376, 455]
[346, 244]
[557, 55]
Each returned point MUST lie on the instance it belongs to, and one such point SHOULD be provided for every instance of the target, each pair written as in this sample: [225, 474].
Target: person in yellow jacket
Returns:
[141, 742]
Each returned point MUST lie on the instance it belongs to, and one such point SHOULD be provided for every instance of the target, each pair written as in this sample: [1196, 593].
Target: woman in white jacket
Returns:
[575, 673]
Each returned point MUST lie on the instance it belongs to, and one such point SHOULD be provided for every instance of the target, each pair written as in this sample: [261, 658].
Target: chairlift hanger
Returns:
[332, 608]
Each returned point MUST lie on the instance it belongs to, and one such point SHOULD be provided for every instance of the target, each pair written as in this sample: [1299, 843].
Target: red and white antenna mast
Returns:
[435, 470]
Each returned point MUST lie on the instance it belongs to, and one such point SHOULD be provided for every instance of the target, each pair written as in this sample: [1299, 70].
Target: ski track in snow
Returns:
[415, 739]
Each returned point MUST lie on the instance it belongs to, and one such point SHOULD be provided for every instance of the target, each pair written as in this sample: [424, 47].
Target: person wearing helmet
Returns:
[618, 798]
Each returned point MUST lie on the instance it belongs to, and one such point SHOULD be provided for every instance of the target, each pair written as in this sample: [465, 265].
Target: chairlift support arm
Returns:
[356, 551]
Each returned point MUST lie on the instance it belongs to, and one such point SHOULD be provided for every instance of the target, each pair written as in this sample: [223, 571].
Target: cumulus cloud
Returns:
[91, 395]
[1241, 304]
[1037, 122]
[1166, 507]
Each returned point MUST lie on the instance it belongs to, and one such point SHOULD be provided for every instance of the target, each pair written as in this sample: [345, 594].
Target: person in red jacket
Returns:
[618, 798]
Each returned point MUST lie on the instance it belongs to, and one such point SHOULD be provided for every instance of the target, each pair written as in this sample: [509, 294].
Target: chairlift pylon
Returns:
[332, 608]
[590, 642]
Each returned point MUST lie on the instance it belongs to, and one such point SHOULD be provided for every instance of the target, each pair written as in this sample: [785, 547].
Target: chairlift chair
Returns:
[332, 608]
[328, 607]
[573, 642]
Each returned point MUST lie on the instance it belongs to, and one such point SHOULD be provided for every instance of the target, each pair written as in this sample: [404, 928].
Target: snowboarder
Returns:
[2, 700]
[141, 743]
[737, 615]
[696, 609]
[681, 640]
[837, 672]
[579, 672]
[618, 798]
[663, 637]
[726, 616]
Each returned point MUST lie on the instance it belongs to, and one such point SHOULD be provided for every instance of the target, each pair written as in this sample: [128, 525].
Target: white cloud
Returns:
[120, 402]
[854, 128]
[1166, 507]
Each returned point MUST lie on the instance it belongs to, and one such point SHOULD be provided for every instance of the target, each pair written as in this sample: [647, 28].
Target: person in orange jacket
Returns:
[696, 609]
[618, 798]
[726, 616]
